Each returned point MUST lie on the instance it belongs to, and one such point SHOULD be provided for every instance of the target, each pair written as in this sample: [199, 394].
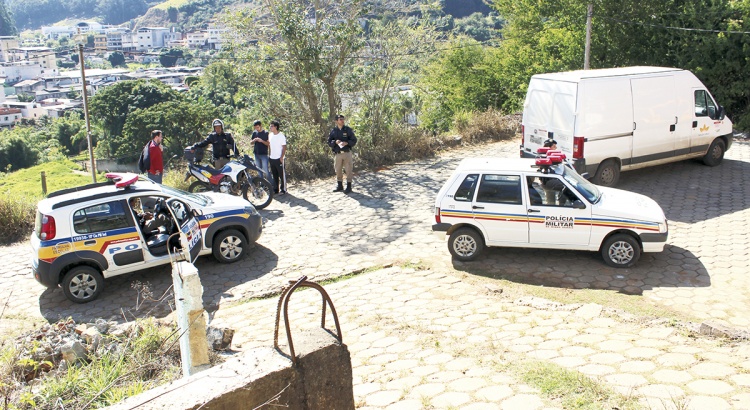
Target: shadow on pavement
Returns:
[690, 191]
[675, 267]
[294, 201]
[148, 293]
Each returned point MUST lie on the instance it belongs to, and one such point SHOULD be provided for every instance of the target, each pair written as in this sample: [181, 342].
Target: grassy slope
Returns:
[171, 3]
[28, 182]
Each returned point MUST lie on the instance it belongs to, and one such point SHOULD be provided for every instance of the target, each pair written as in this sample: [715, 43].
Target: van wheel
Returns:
[715, 153]
[608, 173]
[229, 246]
[465, 244]
[621, 251]
[82, 284]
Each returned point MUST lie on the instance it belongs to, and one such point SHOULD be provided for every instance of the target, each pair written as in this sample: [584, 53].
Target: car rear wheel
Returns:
[715, 153]
[621, 251]
[608, 173]
[82, 284]
[229, 246]
[465, 244]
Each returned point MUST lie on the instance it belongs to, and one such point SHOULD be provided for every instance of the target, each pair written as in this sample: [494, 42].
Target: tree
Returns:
[120, 11]
[182, 122]
[168, 58]
[117, 59]
[309, 43]
[111, 107]
[7, 26]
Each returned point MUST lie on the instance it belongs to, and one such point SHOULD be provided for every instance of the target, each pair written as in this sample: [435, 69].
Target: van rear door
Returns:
[549, 112]
[654, 117]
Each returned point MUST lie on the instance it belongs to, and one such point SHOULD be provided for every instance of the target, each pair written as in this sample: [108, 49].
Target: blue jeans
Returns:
[261, 161]
[155, 178]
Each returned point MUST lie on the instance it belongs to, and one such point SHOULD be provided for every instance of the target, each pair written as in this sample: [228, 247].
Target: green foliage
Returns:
[182, 122]
[117, 59]
[146, 358]
[7, 27]
[17, 215]
[465, 77]
[168, 58]
[219, 85]
[110, 109]
[478, 26]
[15, 153]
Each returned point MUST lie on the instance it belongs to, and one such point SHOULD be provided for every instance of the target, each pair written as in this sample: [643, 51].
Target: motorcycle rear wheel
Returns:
[259, 192]
[199, 186]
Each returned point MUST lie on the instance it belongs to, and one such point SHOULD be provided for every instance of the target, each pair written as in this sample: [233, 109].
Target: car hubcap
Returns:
[621, 252]
[607, 175]
[82, 286]
[717, 152]
[465, 245]
[231, 247]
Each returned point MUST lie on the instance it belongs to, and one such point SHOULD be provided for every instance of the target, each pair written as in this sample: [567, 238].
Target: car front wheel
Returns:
[621, 251]
[82, 284]
[465, 244]
[229, 246]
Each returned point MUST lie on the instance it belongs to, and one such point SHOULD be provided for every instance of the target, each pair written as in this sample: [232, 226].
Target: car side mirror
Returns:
[196, 212]
[722, 113]
[578, 204]
[586, 175]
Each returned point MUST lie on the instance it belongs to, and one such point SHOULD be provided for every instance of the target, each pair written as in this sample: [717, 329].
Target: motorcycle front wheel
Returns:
[259, 192]
[199, 186]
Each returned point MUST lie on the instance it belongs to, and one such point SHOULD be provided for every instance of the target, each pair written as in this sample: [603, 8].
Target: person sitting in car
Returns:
[148, 222]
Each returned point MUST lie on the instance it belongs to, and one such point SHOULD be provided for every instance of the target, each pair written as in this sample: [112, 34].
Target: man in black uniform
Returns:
[342, 140]
[221, 142]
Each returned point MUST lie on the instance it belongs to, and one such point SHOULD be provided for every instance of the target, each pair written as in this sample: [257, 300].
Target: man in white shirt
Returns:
[277, 148]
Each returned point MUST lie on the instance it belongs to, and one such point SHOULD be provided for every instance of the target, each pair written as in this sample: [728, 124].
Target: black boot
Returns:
[339, 187]
[348, 188]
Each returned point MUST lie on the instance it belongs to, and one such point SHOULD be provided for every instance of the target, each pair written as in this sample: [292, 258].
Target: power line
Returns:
[699, 30]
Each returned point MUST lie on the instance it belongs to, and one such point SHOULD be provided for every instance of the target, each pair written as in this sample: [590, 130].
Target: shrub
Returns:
[17, 214]
[490, 125]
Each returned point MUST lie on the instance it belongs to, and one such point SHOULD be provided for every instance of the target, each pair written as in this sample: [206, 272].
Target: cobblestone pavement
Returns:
[426, 339]
[312, 231]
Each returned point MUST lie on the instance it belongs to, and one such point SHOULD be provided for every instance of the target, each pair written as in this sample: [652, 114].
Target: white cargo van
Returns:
[619, 119]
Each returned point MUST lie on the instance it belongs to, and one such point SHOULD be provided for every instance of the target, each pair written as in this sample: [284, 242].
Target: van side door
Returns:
[556, 213]
[655, 118]
[500, 210]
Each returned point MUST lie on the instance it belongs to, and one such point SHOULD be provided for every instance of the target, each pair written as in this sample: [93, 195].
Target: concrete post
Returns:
[188, 294]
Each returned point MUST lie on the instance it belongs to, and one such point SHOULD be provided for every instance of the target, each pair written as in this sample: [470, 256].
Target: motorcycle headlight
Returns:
[251, 210]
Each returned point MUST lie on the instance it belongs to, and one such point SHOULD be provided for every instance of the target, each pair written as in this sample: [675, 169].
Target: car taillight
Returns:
[578, 147]
[437, 215]
[523, 138]
[49, 230]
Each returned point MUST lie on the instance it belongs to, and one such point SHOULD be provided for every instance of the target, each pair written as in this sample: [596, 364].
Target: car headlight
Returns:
[251, 210]
[663, 227]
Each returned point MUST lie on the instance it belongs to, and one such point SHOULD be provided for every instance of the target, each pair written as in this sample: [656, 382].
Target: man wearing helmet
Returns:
[221, 142]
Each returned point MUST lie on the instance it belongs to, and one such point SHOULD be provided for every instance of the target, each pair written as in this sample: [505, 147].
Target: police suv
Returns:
[85, 234]
[543, 203]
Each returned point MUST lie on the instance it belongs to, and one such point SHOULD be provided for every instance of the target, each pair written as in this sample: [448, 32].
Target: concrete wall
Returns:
[322, 380]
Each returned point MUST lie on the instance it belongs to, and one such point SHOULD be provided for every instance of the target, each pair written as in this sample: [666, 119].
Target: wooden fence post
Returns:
[44, 183]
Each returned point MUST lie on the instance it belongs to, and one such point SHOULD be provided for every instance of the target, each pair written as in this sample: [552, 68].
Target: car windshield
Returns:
[583, 186]
[197, 199]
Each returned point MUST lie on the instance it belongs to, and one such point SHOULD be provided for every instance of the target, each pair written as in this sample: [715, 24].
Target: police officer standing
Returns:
[221, 142]
[342, 140]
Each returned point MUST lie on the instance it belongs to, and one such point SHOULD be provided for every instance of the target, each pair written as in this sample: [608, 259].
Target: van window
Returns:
[562, 113]
[704, 105]
[466, 191]
[500, 189]
[100, 218]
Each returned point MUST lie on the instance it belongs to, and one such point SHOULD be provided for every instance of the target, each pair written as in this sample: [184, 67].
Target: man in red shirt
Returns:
[156, 169]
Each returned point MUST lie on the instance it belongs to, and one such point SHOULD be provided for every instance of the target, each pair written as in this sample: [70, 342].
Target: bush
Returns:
[17, 215]
[491, 125]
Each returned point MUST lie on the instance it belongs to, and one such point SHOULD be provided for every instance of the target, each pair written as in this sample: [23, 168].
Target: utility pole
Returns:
[86, 113]
[587, 54]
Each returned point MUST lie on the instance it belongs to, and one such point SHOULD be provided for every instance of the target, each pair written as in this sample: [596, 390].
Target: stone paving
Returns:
[702, 272]
[425, 339]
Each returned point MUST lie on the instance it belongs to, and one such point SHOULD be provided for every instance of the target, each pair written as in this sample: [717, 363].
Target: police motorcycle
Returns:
[240, 176]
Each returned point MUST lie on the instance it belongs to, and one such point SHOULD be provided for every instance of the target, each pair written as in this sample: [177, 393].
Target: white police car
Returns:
[543, 203]
[83, 235]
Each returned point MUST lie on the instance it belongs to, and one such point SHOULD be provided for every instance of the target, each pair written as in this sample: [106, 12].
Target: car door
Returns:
[191, 237]
[557, 215]
[499, 209]
[702, 127]
[109, 229]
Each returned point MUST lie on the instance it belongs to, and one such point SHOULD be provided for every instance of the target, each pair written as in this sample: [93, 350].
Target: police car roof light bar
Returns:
[122, 180]
[555, 159]
[542, 150]
[543, 162]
